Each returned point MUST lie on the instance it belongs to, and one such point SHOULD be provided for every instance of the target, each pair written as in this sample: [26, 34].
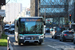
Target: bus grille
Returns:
[31, 37]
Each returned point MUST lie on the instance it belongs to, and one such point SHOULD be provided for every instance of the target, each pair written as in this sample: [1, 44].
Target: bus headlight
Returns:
[41, 37]
[21, 37]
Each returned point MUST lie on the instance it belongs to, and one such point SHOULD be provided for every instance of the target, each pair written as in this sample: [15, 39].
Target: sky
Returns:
[25, 3]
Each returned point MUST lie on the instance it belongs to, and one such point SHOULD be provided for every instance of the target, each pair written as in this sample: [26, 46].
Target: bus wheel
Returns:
[16, 41]
[52, 36]
[74, 41]
[19, 43]
[23, 43]
[40, 43]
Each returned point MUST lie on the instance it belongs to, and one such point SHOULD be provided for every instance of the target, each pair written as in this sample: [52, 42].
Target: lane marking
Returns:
[61, 47]
[69, 43]
[53, 47]
[43, 43]
[58, 41]
[66, 45]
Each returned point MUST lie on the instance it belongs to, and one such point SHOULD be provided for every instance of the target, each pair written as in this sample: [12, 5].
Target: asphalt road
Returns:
[48, 44]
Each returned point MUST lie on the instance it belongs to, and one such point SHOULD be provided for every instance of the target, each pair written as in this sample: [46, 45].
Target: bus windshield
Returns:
[31, 27]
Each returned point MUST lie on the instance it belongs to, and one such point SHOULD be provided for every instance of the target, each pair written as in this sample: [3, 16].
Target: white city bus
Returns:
[29, 29]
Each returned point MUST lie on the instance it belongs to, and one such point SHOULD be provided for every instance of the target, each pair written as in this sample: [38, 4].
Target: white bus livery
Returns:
[29, 29]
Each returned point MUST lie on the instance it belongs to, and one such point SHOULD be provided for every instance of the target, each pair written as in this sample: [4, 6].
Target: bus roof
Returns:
[29, 17]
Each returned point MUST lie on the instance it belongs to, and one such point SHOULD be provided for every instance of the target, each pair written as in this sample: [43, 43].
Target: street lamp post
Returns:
[45, 15]
[44, 21]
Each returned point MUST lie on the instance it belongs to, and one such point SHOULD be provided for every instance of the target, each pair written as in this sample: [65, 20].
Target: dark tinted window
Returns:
[68, 32]
[58, 29]
[47, 29]
[31, 27]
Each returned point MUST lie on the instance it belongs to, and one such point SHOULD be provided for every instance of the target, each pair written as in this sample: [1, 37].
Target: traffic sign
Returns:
[48, 20]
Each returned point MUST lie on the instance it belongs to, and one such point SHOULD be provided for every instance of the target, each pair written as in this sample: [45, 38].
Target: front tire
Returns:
[16, 41]
[40, 43]
[63, 40]
[74, 41]
[54, 37]
[60, 38]
[19, 43]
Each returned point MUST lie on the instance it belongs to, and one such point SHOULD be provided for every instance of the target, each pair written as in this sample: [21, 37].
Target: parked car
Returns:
[66, 35]
[56, 31]
[6, 27]
[12, 28]
[74, 38]
[51, 31]
[47, 30]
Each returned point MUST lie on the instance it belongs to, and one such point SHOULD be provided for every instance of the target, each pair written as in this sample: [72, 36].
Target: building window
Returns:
[52, 2]
[71, 2]
[62, 20]
[49, 20]
[51, 10]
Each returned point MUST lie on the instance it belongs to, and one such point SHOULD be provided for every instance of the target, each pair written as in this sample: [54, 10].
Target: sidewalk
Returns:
[9, 35]
[3, 48]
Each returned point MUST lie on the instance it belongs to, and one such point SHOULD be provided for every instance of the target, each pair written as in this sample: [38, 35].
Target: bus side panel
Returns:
[16, 31]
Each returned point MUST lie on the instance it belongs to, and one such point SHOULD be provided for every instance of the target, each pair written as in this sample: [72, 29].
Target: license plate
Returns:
[31, 41]
[27, 38]
[70, 35]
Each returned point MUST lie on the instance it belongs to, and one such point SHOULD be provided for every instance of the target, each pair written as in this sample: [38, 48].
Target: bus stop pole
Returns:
[8, 43]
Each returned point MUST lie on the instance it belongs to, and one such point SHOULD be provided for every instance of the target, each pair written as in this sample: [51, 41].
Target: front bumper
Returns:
[12, 31]
[68, 38]
[30, 41]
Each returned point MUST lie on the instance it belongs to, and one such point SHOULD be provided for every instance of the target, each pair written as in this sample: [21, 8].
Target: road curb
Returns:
[69, 49]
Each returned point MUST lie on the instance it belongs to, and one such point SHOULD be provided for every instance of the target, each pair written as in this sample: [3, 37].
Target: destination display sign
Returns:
[30, 19]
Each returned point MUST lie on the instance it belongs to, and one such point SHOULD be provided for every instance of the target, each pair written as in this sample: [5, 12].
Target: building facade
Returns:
[12, 11]
[24, 13]
[2, 15]
[34, 7]
[55, 12]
